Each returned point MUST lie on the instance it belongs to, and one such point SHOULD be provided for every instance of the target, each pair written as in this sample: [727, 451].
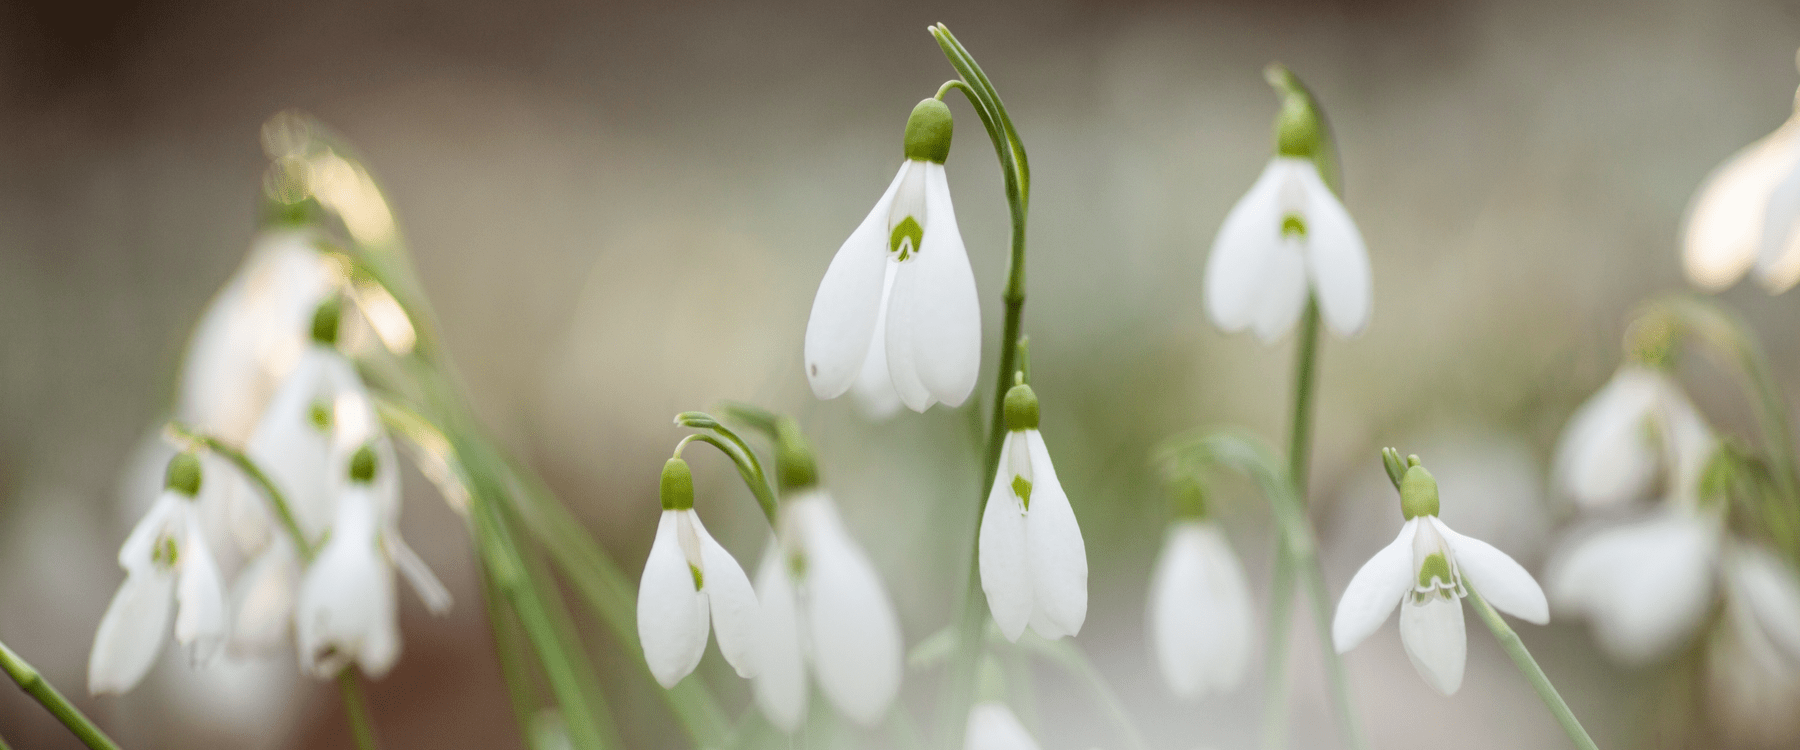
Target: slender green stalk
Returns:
[1528, 666]
[1275, 664]
[47, 695]
[513, 653]
[1306, 363]
[356, 710]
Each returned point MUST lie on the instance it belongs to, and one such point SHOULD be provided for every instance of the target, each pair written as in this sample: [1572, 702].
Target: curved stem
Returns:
[52, 700]
[356, 711]
[1528, 666]
[277, 502]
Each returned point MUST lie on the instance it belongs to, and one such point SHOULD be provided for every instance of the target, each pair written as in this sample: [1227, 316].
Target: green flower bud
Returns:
[362, 465]
[325, 321]
[1418, 491]
[1297, 130]
[795, 466]
[677, 486]
[1021, 408]
[183, 475]
[928, 132]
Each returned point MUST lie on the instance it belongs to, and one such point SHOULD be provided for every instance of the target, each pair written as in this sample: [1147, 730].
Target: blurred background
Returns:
[576, 178]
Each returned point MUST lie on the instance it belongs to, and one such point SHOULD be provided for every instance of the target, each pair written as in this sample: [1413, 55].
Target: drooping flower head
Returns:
[1198, 612]
[896, 314]
[1427, 570]
[691, 587]
[1032, 558]
[1744, 214]
[1289, 238]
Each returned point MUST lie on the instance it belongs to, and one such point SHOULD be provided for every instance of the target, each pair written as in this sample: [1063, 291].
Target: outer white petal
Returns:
[1778, 252]
[671, 613]
[131, 633]
[1690, 443]
[1005, 568]
[780, 684]
[1725, 220]
[1646, 586]
[1199, 611]
[940, 304]
[200, 622]
[1768, 588]
[874, 387]
[136, 553]
[264, 599]
[345, 608]
[291, 448]
[856, 646]
[1604, 457]
[1433, 635]
[992, 726]
[1336, 256]
[1284, 288]
[1502, 581]
[381, 645]
[1054, 549]
[842, 323]
[1247, 240]
[732, 601]
[1374, 590]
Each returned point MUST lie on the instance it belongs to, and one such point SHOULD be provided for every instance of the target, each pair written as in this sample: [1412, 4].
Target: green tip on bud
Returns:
[183, 475]
[1021, 408]
[677, 485]
[1297, 130]
[362, 465]
[1418, 491]
[928, 132]
[325, 321]
[1396, 467]
[795, 466]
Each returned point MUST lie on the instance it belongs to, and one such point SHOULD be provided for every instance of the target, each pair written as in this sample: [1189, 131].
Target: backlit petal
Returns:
[1778, 249]
[842, 323]
[671, 613]
[1054, 549]
[1433, 636]
[131, 633]
[1725, 220]
[1502, 581]
[1374, 590]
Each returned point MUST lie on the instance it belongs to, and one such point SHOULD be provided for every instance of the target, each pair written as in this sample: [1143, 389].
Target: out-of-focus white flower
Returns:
[690, 581]
[1425, 570]
[1199, 611]
[1033, 561]
[1753, 663]
[896, 314]
[823, 603]
[167, 566]
[347, 612]
[992, 726]
[1744, 214]
[1646, 585]
[1288, 237]
[1636, 424]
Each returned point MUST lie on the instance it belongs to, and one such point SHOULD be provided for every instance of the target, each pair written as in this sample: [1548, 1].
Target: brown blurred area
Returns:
[622, 210]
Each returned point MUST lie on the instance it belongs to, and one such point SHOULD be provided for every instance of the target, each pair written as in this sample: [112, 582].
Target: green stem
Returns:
[283, 512]
[46, 694]
[356, 710]
[1306, 363]
[1275, 667]
[513, 653]
[1528, 666]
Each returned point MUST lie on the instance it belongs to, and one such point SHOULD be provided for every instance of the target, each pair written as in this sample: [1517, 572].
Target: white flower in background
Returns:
[992, 726]
[1753, 662]
[1288, 237]
[690, 581]
[1033, 562]
[1647, 585]
[167, 566]
[822, 603]
[1426, 570]
[897, 310]
[1638, 427]
[1199, 613]
[1744, 214]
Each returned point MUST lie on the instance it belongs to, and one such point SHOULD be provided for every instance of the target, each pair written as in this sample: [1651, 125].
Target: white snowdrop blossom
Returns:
[690, 582]
[1427, 570]
[1744, 215]
[1753, 666]
[823, 604]
[1646, 586]
[1199, 611]
[1032, 558]
[168, 566]
[1637, 428]
[896, 314]
[992, 726]
[1285, 239]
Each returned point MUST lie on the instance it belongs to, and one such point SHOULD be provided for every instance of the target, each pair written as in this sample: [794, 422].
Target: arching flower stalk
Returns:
[690, 588]
[1032, 558]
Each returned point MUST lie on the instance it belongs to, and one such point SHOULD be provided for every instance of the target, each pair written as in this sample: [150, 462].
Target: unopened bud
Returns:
[928, 132]
[677, 485]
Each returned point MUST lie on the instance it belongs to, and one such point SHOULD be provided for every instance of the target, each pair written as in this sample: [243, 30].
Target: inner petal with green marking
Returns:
[905, 239]
[1021, 488]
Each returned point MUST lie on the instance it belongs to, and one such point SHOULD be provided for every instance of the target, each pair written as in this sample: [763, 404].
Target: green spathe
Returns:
[677, 488]
[1021, 408]
[1418, 492]
[362, 465]
[928, 132]
[183, 475]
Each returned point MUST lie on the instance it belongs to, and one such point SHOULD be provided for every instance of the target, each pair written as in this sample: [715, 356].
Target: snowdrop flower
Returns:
[1199, 611]
[1753, 665]
[1744, 215]
[896, 314]
[347, 610]
[1638, 427]
[1287, 239]
[992, 726]
[167, 566]
[1646, 586]
[687, 578]
[821, 603]
[1033, 562]
[1427, 570]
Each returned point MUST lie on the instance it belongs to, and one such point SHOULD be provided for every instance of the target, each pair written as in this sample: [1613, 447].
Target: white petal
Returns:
[1778, 255]
[292, 449]
[1604, 457]
[418, 575]
[1769, 588]
[1433, 635]
[1054, 550]
[1725, 220]
[1374, 590]
[856, 646]
[780, 684]
[131, 633]
[1247, 240]
[671, 613]
[992, 726]
[1646, 586]
[264, 599]
[1284, 290]
[345, 610]
[138, 550]
[200, 622]
[842, 323]
[874, 387]
[1338, 261]
[733, 603]
[1199, 611]
[1502, 581]
[381, 645]
[937, 301]
[1000, 551]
